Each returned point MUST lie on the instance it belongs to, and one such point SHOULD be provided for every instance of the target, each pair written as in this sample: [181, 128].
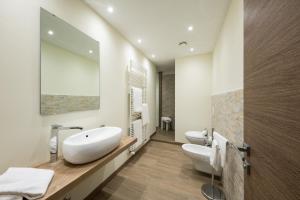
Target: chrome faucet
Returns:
[54, 139]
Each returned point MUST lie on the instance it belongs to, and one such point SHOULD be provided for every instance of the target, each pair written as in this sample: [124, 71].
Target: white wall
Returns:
[66, 73]
[24, 132]
[228, 57]
[192, 94]
[157, 100]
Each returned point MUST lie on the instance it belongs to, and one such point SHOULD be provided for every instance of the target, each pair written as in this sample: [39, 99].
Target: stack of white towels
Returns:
[137, 99]
[138, 132]
[30, 183]
[145, 114]
[138, 125]
[139, 106]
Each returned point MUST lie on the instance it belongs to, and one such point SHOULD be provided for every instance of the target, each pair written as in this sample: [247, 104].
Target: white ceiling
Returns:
[162, 24]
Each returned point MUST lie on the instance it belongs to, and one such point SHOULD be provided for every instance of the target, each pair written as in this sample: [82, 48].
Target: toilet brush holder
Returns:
[212, 192]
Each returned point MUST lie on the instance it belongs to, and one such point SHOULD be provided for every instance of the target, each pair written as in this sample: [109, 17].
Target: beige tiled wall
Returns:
[57, 104]
[227, 119]
[168, 96]
[227, 115]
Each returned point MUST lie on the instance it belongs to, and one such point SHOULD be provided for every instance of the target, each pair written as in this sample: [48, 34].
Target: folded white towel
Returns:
[215, 155]
[222, 142]
[10, 197]
[145, 114]
[137, 98]
[30, 183]
[138, 131]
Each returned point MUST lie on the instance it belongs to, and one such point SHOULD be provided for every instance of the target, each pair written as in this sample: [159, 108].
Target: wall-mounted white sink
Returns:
[91, 145]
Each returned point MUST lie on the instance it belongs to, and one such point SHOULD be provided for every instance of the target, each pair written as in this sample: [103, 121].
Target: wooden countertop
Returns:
[68, 175]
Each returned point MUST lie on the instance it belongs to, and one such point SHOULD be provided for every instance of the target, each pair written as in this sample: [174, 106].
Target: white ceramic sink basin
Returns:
[91, 145]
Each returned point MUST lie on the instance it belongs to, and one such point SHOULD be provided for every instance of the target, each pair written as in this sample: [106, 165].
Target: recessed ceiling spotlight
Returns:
[50, 32]
[139, 41]
[192, 49]
[153, 55]
[110, 9]
[90, 51]
[183, 43]
[190, 28]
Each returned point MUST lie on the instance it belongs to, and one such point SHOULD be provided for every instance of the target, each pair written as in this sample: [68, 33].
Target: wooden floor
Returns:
[159, 171]
[164, 136]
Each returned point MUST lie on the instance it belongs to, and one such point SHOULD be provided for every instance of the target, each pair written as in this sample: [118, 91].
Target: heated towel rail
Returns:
[137, 77]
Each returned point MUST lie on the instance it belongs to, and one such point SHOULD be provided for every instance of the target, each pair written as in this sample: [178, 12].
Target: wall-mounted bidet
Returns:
[197, 137]
[200, 156]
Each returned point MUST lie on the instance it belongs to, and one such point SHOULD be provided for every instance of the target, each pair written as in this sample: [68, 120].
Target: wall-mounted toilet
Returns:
[200, 156]
[197, 137]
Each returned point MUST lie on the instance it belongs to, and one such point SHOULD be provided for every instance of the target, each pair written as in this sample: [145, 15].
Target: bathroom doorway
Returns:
[166, 86]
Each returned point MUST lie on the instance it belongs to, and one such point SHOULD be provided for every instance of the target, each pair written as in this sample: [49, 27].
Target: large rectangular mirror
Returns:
[69, 67]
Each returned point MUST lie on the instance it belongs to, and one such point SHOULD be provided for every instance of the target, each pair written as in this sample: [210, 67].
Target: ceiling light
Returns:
[139, 41]
[110, 9]
[192, 49]
[50, 32]
[190, 28]
[153, 56]
[90, 51]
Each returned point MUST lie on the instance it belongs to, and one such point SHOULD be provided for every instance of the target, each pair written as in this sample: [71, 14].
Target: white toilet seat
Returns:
[200, 156]
[197, 151]
[196, 137]
[196, 134]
